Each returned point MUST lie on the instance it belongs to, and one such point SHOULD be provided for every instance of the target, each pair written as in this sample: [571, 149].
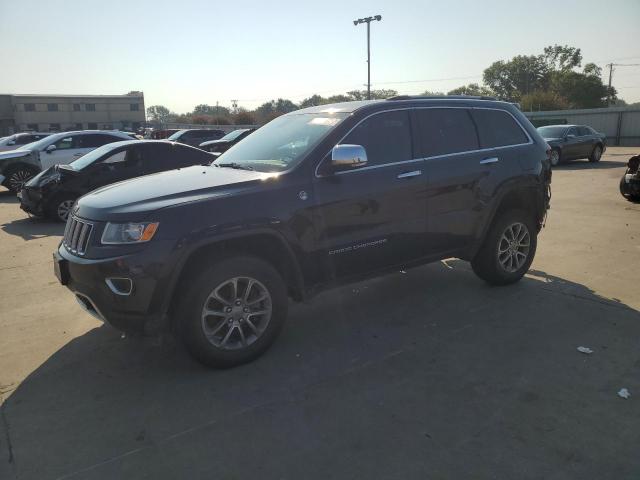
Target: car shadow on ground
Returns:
[32, 228]
[586, 165]
[431, 370]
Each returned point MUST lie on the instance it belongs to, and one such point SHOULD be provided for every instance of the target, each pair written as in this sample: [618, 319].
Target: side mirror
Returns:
[346, 157]
[50, 148]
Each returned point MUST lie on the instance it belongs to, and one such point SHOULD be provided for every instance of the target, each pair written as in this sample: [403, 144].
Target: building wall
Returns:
[620, 125]
[76, 112]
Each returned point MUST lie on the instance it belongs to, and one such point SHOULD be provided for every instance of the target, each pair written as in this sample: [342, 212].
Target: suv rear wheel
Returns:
[508, 249]
[234, 312]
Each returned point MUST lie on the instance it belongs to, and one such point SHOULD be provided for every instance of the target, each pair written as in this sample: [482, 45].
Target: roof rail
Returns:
[429, 97]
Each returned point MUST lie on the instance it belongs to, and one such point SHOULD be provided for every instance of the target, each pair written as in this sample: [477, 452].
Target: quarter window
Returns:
[498, 129]
[443, 131]
[386, 137]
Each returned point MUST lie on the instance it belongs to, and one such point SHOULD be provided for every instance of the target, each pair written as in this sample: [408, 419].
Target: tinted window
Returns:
[442, 131]
[65, 143]
[183, 156]
[573, 131]
[386, 137]
[583, 131]
[498, 129]
[24, 139]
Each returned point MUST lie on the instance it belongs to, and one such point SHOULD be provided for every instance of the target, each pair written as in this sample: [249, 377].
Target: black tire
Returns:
[56, 206]
[17, 176]
[486, 264]
[559, 158]
[624, 191]
[192, 322]
[596, 154]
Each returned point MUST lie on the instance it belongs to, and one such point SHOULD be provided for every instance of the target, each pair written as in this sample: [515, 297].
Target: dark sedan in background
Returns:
[195, 136]
[225, 143]
[570, 142]
[53, 192]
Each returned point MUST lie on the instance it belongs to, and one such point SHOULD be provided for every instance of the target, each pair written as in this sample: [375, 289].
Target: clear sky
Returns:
[182, 53]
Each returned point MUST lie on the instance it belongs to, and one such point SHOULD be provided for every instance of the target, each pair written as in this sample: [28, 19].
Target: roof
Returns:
[404, 100]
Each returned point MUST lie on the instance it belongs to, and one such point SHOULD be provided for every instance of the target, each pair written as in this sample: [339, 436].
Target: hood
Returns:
[50, 176]
[14, 154]
[214, 142]
[133, 199]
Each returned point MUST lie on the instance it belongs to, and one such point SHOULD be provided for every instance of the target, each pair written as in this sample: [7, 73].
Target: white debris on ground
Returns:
[624, 393]
[586, 350]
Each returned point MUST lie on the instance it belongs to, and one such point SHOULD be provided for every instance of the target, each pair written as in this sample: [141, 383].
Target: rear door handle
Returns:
[489, 160]
[414, 173]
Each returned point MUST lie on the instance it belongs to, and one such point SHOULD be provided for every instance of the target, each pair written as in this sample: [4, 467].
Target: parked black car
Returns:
[195, 137]
[226, 142]
[630, 181]
[570, 142]
[54, 191]
[315, 198]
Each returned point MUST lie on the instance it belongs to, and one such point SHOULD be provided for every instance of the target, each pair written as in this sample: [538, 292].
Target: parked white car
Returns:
[18, 140]
[18, 166]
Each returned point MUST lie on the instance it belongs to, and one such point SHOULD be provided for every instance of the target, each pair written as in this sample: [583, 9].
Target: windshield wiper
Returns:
[235, 165]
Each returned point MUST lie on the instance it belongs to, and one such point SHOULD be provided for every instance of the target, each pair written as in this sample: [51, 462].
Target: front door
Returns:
[373, 216]
[67, 150]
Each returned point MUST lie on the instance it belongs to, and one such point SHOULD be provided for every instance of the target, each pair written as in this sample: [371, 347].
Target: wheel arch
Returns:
[266, 245]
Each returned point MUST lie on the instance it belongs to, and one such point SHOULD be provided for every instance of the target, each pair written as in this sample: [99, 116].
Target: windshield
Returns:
[281, 143]
[551, 132]
[93, 155]
[176, 135]
[42, 143]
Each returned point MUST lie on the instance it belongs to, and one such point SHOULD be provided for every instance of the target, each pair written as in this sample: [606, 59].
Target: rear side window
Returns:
[498, 129]
[583, 131]
[386, 137]
[443, 131]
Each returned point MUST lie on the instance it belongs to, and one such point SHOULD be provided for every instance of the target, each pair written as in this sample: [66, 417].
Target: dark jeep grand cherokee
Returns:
[317, 197]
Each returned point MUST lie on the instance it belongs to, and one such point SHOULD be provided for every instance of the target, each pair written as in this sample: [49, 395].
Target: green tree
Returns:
[158, 113]
[543, 100]
[471, 89]
[313, 101]
[338, 99]
[517, 77]
[244, 118]
[562, 57]
[375, 94]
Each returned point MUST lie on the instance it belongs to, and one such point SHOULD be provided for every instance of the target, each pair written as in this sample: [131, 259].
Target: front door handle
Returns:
[414, 173]
[489, 160]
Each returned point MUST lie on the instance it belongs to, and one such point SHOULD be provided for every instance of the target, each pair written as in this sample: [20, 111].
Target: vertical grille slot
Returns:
[77, 234]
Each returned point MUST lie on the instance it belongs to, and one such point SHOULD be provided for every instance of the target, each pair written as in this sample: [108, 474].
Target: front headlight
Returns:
[115, 233]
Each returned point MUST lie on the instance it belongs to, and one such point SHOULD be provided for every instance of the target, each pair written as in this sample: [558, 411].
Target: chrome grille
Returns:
[77, 234]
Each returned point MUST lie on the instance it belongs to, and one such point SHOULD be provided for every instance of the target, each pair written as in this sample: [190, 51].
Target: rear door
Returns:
[374, 216]
[588, 141]
[455, 169]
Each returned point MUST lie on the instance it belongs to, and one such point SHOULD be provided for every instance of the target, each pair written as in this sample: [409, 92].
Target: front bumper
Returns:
[31, 201]
[134, 310]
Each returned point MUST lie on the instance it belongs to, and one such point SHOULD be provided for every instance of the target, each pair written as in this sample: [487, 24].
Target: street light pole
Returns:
[368, 21]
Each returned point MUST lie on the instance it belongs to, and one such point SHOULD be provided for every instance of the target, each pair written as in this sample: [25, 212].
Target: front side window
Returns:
[443, 131]
[497, 128]
[282, 143]
[572, 131]
[583, 131]
[386, 137]
[65, 143]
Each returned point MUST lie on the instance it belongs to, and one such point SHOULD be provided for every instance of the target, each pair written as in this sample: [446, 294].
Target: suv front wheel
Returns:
[508, 249]
[234, 311]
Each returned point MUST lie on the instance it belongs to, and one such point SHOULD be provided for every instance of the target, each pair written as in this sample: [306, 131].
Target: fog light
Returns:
[120, 286]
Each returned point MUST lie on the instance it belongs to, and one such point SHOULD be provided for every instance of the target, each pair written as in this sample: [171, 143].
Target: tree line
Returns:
[552, 80]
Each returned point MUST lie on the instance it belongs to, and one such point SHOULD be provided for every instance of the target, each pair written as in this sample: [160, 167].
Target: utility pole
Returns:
[610, 65]
[368, 21]
[611, 70]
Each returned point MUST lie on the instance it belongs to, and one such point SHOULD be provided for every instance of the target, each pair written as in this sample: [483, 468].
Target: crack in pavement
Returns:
[5, 424]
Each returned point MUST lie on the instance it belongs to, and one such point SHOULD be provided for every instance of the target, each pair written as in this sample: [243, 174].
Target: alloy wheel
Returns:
[18, 178]
[236, 313]
[513, 247]
[64, 208]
